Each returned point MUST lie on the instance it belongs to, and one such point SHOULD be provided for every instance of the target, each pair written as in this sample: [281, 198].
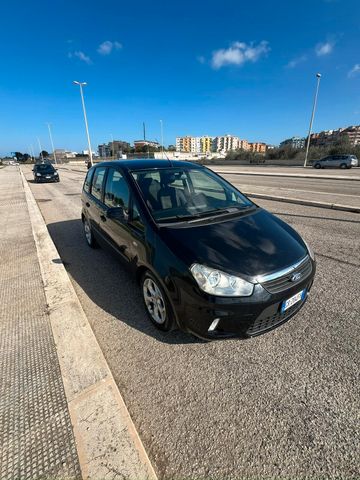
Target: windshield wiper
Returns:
[209, 213]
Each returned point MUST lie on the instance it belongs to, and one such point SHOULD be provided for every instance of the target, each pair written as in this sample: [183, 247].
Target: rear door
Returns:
[93, 202]
[116, 195]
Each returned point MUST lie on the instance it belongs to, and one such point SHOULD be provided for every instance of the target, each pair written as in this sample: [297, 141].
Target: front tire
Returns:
[89, 236]
[317, 165]
[343, 166]
[156, 303]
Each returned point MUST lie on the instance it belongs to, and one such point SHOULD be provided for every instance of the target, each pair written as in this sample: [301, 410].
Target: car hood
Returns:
[253, 244]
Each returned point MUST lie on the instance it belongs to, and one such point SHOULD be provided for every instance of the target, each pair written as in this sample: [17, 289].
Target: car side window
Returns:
[116, 190]
[97, 182]
[87, 182]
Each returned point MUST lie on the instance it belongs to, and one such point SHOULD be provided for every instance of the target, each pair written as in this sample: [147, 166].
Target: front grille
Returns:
[284, 282]
[261, 324]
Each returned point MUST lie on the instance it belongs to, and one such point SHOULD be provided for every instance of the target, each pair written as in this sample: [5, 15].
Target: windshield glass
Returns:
[46, 168]
[175, 194]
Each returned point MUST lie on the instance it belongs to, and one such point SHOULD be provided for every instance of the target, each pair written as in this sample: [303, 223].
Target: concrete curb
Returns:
[106, 438]
[294, 175]
[309, 203]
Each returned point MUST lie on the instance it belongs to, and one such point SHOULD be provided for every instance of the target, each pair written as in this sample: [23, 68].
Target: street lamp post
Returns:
[41, 154]
[52, 143]
[318, 76]
[162, 139]
[82, 84]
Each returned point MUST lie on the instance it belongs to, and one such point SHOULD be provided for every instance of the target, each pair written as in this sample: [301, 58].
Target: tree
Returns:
[44, 154]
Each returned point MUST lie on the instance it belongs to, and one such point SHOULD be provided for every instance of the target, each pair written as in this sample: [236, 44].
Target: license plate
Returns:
[47, 176]
[292, 300]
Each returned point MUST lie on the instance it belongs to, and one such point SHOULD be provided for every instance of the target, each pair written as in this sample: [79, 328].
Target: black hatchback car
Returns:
[45, 172]
[209, 261]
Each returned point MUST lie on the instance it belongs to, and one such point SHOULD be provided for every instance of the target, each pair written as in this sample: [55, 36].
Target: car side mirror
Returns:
[117, 213]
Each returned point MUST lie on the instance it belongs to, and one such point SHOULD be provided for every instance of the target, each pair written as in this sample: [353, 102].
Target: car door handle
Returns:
[87, 204]
[103, 218]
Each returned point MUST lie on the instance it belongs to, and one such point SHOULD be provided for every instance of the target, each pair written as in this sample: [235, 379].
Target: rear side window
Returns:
[87, 181]
[97, 182]
[116, 190]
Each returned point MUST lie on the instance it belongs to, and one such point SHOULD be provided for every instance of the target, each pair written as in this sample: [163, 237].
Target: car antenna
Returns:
[164, 153]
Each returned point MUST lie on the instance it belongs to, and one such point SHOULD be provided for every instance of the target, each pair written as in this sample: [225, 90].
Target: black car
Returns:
[45, 172]
[209, 261]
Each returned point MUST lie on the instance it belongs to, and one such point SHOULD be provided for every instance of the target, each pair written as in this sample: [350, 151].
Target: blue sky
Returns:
[243, 68]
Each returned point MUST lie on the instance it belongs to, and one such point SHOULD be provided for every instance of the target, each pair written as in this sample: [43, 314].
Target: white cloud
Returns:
[354, 71]
[295, 61]
[238, 53]
[81, 56]
[325, 48]
[107, 47]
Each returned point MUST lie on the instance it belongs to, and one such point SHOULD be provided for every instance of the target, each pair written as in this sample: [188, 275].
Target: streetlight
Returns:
[41, 154]
[82, 84]
[52, 143]
[162, 139]
[318, 76]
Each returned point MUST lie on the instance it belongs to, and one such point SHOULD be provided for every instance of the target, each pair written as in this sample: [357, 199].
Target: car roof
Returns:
[148, 163]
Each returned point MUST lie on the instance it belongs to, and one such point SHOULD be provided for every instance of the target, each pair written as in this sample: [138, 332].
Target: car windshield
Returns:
[45, 168]
[177, 194]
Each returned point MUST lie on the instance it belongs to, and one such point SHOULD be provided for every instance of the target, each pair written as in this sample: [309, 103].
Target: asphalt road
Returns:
[343, 192]
[282, 405]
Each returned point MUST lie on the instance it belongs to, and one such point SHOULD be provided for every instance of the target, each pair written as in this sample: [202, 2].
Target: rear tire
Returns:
[317, 165]
[89, 236]
[156, 303]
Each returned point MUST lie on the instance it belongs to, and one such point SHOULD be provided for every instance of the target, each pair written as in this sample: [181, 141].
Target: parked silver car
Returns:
[337, 161]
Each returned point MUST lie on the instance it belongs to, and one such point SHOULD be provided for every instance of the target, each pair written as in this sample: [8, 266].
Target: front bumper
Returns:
[238, 317]
[44, 179]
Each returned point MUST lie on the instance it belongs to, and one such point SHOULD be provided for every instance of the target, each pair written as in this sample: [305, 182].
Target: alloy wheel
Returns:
[154, 301]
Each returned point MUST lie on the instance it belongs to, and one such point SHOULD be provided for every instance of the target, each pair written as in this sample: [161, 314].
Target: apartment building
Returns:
[257, 147]
[221, 144]
[329, 137]
[189, 144]
[226, 143]
[114, 148]
[294, 142]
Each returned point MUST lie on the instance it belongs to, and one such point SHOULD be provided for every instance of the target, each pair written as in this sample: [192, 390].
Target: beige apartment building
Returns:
[194, 144]
[257, 147]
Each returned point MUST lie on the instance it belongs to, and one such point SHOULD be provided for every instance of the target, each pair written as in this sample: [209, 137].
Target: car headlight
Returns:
[219, 283]
[56, 173]
[310, 250]
[38, 174]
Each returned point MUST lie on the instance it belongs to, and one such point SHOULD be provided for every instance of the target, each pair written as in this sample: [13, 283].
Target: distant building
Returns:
[62, 153]
[226, 143]
[86, 152]
[220, 144]
[104, 150]
[329, 137]
[294, 142]
[257, 147]
[148, 143]
[202, 144]
[114, 149]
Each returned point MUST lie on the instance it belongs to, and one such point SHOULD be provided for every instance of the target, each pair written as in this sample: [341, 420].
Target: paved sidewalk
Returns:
[36, 436]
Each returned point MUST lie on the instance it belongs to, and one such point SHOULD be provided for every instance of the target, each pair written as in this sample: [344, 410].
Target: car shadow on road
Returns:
[106, 281]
